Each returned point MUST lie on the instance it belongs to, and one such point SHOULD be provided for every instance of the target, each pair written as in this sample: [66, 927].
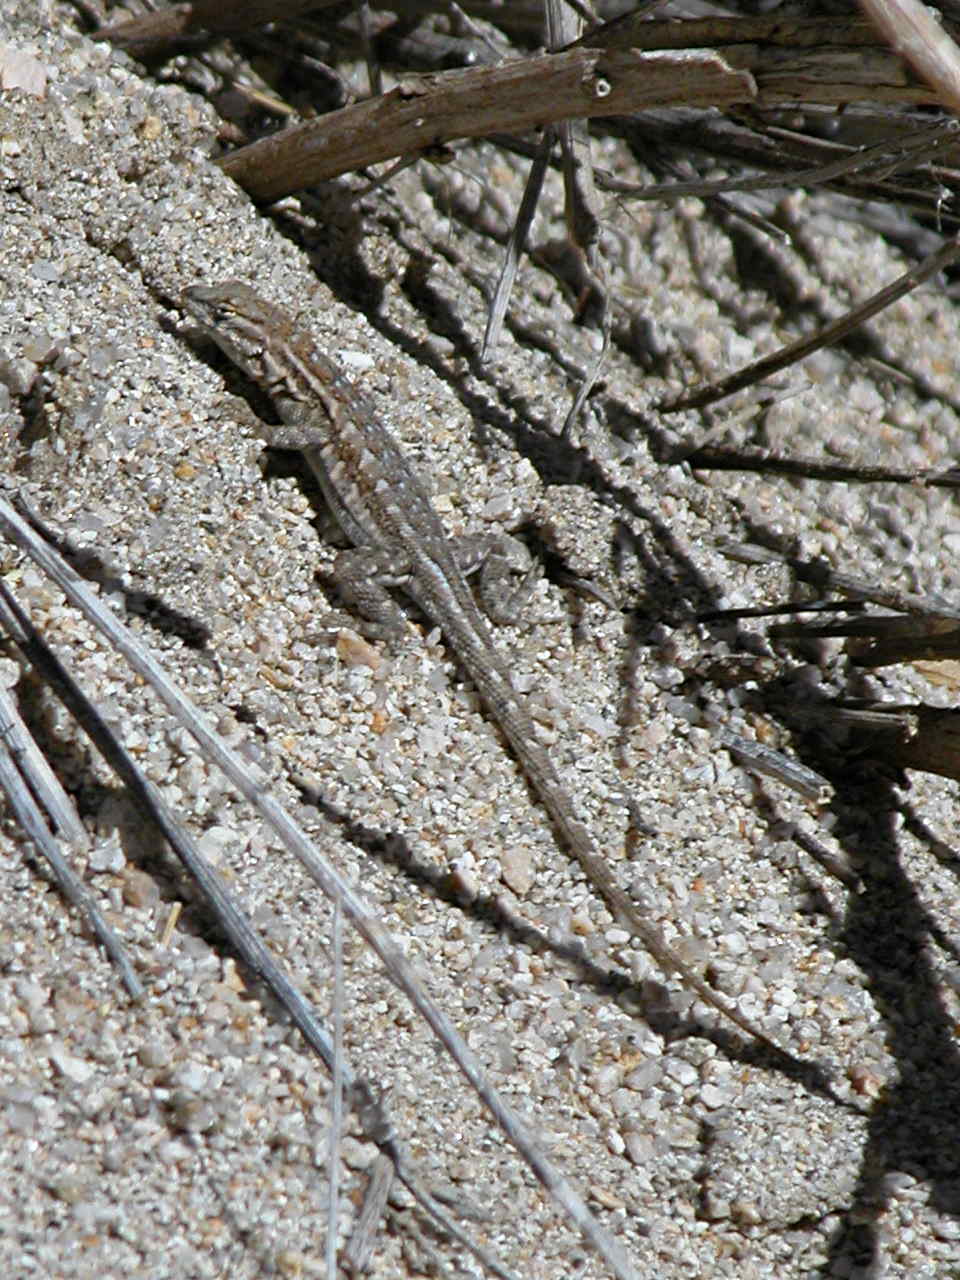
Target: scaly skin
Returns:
[399, 541]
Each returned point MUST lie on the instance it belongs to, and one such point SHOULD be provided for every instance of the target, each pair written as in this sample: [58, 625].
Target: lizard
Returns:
[398, 541]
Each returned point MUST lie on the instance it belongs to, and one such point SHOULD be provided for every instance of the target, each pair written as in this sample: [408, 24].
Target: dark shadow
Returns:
[914, 1126]
[649, 999]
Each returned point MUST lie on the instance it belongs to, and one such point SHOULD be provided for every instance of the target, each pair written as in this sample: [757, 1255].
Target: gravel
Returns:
[186, 1136]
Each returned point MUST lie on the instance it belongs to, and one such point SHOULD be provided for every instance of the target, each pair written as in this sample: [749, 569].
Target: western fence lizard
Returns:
[398, 541]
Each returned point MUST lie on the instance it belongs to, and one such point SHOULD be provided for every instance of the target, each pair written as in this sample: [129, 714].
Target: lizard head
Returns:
[240, 323]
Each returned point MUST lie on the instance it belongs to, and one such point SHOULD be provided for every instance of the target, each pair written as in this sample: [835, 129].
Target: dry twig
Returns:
[23, 780]
[832, 333]
[429, 111]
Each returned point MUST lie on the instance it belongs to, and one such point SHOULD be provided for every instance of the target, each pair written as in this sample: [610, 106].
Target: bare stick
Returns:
[26, 812]
[755, 756]
[878, 640]
[900, 151]
[152, 34]
[515, 245]
[336, 1109]
[823, 576]
[36, 771]
[356, 1255]
[913, 737]
[427, 111]
[764, 461]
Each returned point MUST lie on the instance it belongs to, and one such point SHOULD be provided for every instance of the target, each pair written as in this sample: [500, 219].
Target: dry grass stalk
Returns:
[832, 333]
[366, 1102]
[28, 783]
[915, 34]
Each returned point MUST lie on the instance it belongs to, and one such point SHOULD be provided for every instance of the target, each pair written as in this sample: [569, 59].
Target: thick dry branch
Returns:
[429, 111]
[881, 640]
[823, 60]
[584, 81]
[913, 737]
[618, 70]
[633, 32]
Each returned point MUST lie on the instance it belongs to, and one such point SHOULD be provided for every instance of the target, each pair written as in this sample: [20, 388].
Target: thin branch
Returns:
[824, 577]
[890, 156]
[336, 1108]
[36, 771]
[825, 337]
[152, 35]
[515, 245]
[528, 93]
[758, 758]
[767, 463]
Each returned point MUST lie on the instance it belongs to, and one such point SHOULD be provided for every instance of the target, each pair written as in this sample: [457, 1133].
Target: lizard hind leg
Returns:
[362, 577]
[505, 572]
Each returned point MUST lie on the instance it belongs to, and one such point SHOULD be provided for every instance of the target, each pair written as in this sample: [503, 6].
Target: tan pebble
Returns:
[581, 924]
[356, 652]
[865, 1081]
[69, 1190]
[139, 889]
[745, 1212]
[462, 884]
[606, 1199]
[516, 871]
[290, 1263]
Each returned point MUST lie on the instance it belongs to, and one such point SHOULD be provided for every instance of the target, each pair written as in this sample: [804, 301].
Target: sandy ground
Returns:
[186, 1136]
